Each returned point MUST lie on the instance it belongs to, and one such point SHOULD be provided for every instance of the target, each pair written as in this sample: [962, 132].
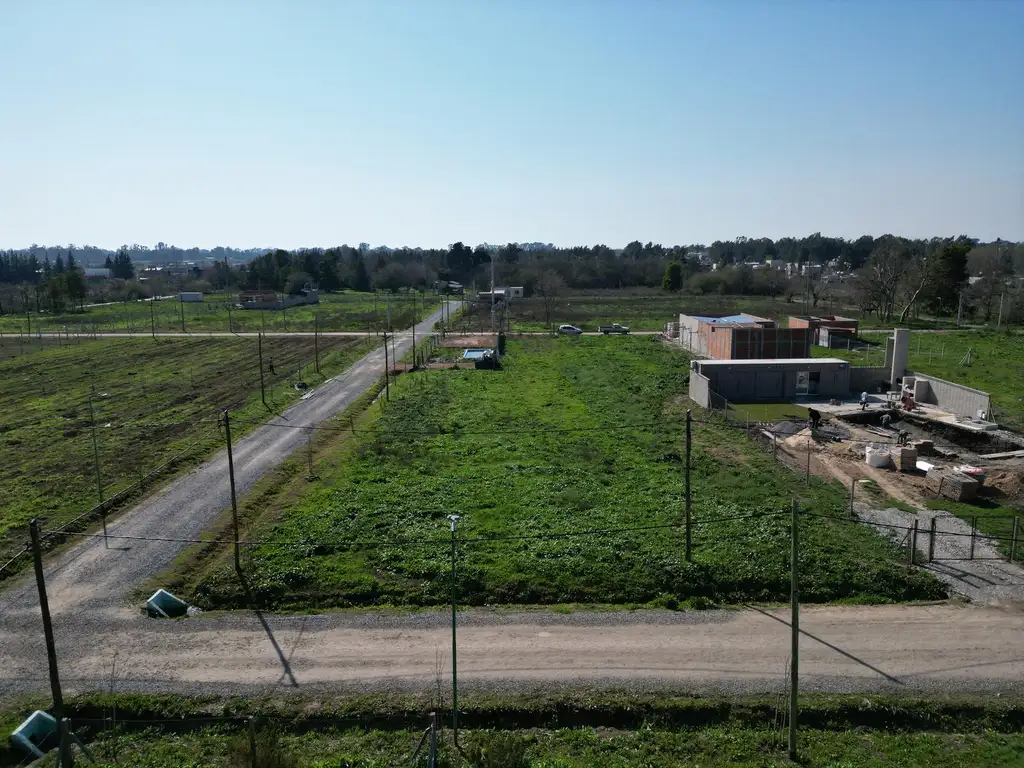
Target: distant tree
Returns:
[360, 276]
[58, 265]
[550, 286]
[673, 279]
[121, 265]
[296, 282]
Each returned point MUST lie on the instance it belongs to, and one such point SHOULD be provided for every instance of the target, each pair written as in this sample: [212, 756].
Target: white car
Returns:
[569, 330]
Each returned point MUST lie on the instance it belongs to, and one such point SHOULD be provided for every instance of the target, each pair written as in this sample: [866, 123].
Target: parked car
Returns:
[613, 328]
[570, 330]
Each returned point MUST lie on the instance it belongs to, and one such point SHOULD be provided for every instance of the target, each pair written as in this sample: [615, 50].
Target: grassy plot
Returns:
[151, 399]
[363, 312]
[580, 434]
[544, 730]
[565, 748]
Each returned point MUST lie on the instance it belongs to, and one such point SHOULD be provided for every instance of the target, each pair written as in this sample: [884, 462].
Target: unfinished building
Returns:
[828, 330]
[742, 337]
[749, 381]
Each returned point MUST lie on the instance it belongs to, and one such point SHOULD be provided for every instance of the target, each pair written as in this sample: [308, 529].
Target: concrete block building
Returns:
[780, 380]
[742, 337]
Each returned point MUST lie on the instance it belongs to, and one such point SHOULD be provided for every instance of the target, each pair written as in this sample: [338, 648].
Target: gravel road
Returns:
[90, 578]
[920, 648]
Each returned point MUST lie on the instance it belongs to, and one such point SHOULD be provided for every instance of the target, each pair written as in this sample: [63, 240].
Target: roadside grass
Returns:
[997, 365]
[346, 311]
[549, 730]
[574, 434]
[151, 400]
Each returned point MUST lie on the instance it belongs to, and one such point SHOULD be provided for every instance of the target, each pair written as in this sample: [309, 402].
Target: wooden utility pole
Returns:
[689, 539]
[234, 501]
[263, 389]
[96, 466]
[64, 748]
[455, 676]
[794, 599]
[387, 391]
[316, 341]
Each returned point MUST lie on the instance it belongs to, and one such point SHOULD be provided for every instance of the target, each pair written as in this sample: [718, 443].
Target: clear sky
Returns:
[299, 122]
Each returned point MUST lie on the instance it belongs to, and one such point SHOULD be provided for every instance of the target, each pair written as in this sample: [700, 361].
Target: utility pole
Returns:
[96, 466]
[959, 309]
[231, 327]
[999, 320]
[689, 539]
[64, 749]
[181, 303]
[316, 341]
[492, 291]
[455, 677]
[152, 316]
[234, 501]
[263, 390]
[794, 599]
[387, 391]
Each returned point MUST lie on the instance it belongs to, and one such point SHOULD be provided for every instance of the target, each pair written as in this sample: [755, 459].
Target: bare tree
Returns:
[551, 287]
[879, 282]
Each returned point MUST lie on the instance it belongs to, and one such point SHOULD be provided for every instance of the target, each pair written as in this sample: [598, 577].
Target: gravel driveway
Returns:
[88, 577]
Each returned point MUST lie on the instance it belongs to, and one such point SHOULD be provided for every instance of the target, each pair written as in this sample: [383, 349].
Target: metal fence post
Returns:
[913, 542]
[931, 540]
[1013, 539]
[974, 533]
[853, 490]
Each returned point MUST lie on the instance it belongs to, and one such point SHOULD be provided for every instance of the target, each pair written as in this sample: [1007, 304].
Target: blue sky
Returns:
[240, 122]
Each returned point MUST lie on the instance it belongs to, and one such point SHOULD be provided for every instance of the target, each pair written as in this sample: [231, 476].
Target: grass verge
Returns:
[567, 730]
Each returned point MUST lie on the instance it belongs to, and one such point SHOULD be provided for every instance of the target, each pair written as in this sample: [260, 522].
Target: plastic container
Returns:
[877, 456]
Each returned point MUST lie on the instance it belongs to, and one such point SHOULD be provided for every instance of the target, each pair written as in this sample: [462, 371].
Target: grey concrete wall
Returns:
[689, 338]
[700, 389]
[955, 398]
[900, 353]
[867, 378]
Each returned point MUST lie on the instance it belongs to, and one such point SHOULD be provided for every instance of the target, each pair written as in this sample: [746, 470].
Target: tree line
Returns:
[890, 276]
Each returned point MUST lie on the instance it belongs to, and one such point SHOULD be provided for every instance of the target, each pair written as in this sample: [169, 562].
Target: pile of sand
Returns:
[1009, 482]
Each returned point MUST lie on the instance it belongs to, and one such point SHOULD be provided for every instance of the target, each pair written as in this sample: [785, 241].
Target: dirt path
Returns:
[90, 578]
[853, 648]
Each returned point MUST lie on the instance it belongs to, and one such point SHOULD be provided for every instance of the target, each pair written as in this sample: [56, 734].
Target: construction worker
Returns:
[863, 401]
[886, 418]
[270, 365]
[814, 418]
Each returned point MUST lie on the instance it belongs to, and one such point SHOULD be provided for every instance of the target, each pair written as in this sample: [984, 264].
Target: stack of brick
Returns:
[925, 447]
[906, 459]
[951, 485]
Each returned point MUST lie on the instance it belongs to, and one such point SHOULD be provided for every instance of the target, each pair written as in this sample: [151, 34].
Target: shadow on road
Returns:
[285, 660]
[827, 644]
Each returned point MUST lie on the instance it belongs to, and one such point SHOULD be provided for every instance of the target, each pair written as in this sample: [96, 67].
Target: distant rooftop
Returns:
[740, 319]
[773, 360]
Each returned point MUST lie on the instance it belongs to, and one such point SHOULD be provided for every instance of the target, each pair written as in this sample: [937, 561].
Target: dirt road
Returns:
[91, 578]
[946, 648]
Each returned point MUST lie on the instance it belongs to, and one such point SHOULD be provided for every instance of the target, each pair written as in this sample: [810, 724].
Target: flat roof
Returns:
[774, 361]
[731, 319]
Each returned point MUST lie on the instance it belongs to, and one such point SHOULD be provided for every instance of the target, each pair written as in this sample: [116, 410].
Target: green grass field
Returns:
[569, 748]
[591, 730]
[528, 451]
[348, 311]
[153, 399]
[641, 311]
